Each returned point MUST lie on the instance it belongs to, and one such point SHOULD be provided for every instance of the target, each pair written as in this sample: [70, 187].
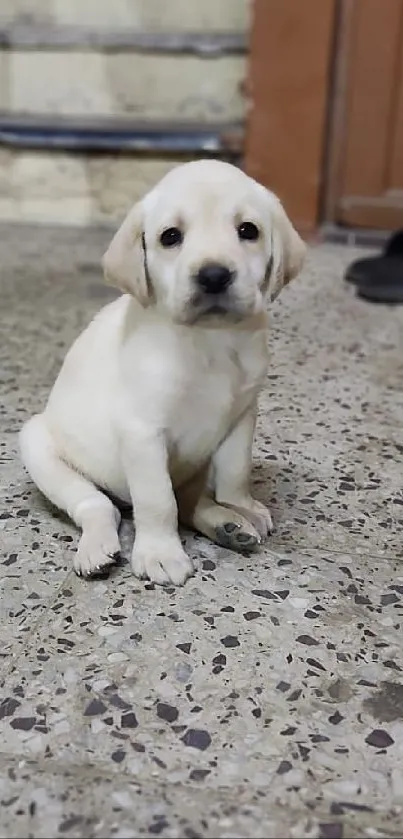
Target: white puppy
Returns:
[155, 404]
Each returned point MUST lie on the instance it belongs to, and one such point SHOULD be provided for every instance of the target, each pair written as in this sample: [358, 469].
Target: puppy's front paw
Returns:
[96, 553]
[161, 563]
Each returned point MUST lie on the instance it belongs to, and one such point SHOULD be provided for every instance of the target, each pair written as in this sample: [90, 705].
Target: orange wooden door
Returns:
[325, 126]
[291, 53]
[365, 178]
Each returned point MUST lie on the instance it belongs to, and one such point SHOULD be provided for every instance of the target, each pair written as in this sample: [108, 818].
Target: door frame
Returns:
[361, 189]
[289, 84]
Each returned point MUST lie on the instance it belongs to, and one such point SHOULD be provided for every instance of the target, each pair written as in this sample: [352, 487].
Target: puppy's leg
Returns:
[89, 508]
[232, 466]
[157, 553]
[199, 511]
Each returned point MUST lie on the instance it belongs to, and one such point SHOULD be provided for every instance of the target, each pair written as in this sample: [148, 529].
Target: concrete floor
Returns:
[263, 699]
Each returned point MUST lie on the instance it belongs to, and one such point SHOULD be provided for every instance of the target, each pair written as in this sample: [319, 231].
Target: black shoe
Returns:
[380, 278]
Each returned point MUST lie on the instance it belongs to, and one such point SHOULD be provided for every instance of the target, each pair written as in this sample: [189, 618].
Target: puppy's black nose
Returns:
[214, 278]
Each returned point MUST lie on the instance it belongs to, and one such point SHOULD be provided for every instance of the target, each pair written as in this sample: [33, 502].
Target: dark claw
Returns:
[118, 559]
[99, 573]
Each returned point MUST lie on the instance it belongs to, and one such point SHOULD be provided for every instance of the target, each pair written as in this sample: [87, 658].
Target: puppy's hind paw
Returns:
[237, 538]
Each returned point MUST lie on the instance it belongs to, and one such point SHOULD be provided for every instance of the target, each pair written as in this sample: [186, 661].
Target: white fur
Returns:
[155, 403]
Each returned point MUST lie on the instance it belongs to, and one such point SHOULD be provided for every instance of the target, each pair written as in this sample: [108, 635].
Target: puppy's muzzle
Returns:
[214, 279]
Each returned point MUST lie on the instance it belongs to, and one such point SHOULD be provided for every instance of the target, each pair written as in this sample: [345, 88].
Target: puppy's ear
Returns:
[288, 249]
[125, 261]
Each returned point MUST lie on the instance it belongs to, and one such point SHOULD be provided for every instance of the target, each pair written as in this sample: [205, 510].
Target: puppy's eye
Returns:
[170, 237]
[248, 232]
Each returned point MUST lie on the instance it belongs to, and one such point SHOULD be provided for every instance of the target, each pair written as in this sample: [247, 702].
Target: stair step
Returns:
[137, 84]
[54, 38]
[93, 134]
[156, 15]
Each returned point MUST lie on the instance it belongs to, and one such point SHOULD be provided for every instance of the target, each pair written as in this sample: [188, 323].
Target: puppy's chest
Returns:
[215, 396]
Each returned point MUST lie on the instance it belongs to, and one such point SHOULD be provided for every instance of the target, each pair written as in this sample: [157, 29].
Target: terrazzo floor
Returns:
[263, 699]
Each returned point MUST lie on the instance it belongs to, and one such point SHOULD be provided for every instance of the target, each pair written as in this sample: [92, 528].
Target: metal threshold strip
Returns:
[55, 38]
[119, 135]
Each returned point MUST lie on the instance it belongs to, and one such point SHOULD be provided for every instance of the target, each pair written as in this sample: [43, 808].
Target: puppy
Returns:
[155, 404]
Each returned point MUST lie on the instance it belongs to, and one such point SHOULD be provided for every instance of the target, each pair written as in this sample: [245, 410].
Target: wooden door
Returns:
[325, 126]
[364, 185]
[291, 51]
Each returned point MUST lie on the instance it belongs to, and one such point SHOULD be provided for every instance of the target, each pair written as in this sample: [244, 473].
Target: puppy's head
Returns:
[207, 242]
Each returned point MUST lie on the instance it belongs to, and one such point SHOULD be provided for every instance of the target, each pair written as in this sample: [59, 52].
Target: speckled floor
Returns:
[265, 698]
